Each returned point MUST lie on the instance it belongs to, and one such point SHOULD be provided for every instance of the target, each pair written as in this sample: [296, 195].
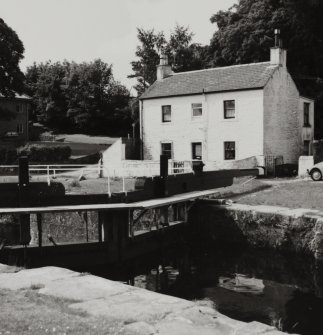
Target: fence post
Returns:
[23, 187]
[48, 177]
[109, 186]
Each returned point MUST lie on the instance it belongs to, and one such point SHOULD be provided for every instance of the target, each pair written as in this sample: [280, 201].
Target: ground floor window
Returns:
[20, 128]
[197, 150]
[306, 149]
[167, 149]
[229, 150]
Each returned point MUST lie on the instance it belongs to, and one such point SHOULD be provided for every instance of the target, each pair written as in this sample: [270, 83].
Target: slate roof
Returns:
[230, 78]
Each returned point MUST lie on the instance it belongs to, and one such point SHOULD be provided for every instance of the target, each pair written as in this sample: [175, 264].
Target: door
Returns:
[197, 150]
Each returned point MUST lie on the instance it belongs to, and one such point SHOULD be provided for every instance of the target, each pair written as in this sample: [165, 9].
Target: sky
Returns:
[84, 30]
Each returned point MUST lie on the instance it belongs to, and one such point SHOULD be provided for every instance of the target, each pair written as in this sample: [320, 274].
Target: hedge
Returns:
[45, 154]
[8, 156]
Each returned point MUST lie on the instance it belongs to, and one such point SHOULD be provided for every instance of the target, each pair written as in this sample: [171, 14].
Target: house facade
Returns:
[227, 114]
[15, 128]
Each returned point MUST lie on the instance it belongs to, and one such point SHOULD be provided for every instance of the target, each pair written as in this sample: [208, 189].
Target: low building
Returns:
[226, 114]
[15, 126]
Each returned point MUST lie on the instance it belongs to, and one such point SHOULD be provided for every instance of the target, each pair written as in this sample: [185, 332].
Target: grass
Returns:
[288, 192]
[26, 312]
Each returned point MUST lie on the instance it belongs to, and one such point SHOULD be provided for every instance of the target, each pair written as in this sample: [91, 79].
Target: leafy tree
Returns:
[245, 34]
[80, 97]
[11, 78]
[182, 54]
[45, 83]
[151, 44]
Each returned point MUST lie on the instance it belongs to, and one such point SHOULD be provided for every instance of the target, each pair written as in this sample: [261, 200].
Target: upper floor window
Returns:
[229, 150]
[167, 113]
[18, 108]
[229, 109]
[197, 109]
[306, 114]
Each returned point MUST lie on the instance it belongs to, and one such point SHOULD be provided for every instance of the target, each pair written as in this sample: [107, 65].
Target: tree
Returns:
[11, 78]
[144, 69]
[81, 97]
[45, 83]
[246, 32]
[182, 55]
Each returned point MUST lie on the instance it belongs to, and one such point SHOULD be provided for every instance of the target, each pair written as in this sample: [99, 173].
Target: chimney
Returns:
[278, 55]
[163, 69]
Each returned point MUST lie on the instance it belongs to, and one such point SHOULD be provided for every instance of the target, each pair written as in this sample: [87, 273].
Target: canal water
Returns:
[246, 284]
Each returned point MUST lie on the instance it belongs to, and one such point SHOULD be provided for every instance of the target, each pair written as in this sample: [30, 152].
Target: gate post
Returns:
[23, 189]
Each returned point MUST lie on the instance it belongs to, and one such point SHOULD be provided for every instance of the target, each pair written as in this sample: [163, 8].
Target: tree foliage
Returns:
[11, 78]
[11, 52]
[79, 97]
[182, 54]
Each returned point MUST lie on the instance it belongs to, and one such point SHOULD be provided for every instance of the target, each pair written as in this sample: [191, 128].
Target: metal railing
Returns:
[128, 169]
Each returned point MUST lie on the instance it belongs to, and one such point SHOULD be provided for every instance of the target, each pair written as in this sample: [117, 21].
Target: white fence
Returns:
[128, 169]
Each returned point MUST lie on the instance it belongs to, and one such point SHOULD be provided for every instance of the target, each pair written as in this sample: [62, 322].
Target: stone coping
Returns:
[142, 312]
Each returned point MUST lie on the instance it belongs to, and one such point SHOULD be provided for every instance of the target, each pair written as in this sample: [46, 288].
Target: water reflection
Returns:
[248, 285]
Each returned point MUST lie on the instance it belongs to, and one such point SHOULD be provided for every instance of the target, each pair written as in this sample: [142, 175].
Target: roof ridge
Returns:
[221, 67]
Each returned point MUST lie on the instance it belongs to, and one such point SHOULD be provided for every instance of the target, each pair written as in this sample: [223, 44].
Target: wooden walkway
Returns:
[140, 205]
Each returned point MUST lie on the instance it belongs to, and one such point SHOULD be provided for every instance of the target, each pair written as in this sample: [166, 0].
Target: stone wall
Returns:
[284, 229]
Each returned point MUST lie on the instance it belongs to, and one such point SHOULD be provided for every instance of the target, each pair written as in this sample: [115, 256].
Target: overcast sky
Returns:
[82, 30]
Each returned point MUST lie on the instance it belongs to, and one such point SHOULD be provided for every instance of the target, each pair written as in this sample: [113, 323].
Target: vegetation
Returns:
[45, 154]
[183, 55]
[8, 156]
[79, 97]
[11, 78]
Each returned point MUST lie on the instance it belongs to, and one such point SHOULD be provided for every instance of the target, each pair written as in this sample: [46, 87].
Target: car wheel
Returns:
[316, 175]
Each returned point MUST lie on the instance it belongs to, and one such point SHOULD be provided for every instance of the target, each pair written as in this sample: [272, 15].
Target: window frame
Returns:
[163, 110]
[230, 150]
[226, 109]
[196, 108]
[306, 114]
[171, 148]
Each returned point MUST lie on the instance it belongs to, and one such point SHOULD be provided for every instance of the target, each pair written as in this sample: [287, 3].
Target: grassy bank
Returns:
[292, 192]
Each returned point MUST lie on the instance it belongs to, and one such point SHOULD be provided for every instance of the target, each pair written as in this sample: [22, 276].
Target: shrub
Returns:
[38, 153]
[8, 156]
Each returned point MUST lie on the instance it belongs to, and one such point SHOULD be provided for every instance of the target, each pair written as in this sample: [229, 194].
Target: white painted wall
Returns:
[211, 128]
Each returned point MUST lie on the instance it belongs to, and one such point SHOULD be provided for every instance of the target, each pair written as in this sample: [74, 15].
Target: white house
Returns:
[227, 114]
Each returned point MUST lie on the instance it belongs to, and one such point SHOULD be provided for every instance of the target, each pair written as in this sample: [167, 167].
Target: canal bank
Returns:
[279, 228]
[130, 310]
